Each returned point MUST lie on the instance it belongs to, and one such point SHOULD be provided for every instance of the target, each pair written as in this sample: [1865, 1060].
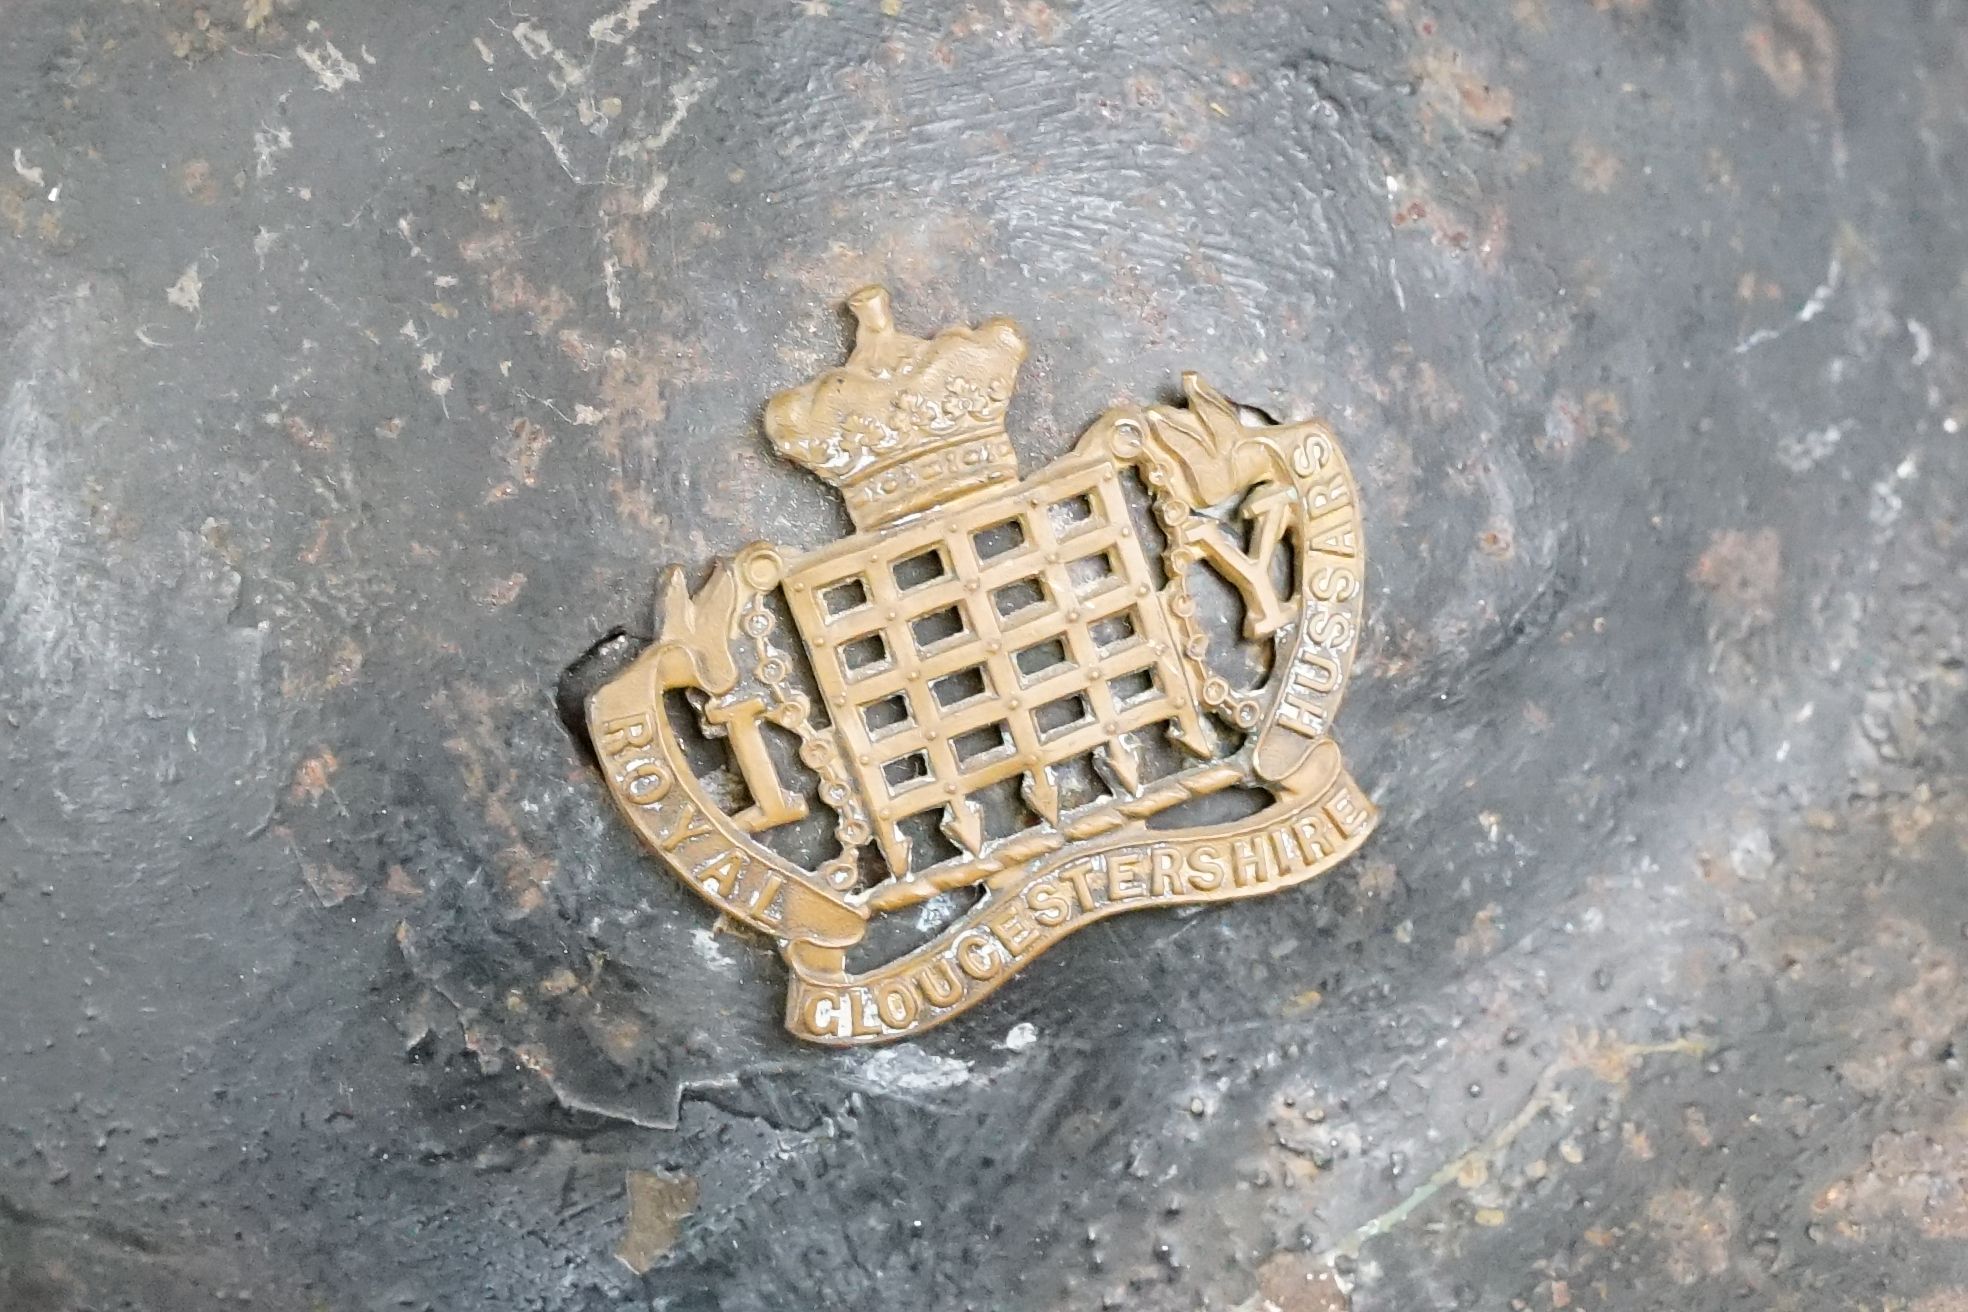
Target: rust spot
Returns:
[314, 776]
[331, 884]
[480, 752]
[307, 436]
[1594, 168]
[1797, 49]
[525, 448]
[1452, 91]
[1571, 420]
[619, 1037]
[560, 982]
[1379, 879]
[505, 590]
[1742, 572]
[658, 1205]
[1695, 1233]
[195, 179]
[632, 405]
[509, 289]
[1483, 937]
[336, 668]
[1294, 1282]
[1497, 542]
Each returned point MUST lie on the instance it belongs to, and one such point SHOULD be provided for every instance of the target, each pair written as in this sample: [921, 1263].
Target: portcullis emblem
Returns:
[997, 708]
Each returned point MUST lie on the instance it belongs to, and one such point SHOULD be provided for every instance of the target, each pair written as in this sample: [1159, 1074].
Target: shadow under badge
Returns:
[1001, 690]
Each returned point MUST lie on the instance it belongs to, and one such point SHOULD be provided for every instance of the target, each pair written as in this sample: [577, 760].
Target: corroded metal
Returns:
[991, 685]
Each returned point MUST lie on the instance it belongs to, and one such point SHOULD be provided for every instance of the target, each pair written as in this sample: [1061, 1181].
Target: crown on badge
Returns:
[907, 423]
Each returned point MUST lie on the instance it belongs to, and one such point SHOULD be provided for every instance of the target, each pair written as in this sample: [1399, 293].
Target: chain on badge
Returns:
[998, 696]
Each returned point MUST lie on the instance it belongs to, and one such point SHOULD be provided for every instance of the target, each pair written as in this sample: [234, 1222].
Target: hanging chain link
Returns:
[792, 710]
[1182, 526]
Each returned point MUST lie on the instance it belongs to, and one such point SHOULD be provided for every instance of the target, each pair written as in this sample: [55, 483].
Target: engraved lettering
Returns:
[1164, 872]
[1049, 903]
[1302, 705]
[861, 1008]
[1334, 583]
[764, 898]
[1123, 877]
[1346, 812]
[1331, 629]
[825, 1014]
[690, 824]
[1011, 927]
[626, 733]
[1313, 454]
[1327, 497]
[939, 983]
[1246, 862]
[1205, 868]
[896, 1002]
[646, 781]
[976, 956]
[1284, 853]
[1341, 540]
[1314, 839]
[1077, 874]
[711, 875]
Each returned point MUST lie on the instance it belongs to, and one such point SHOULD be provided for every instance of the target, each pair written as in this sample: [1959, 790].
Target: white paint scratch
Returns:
[333, 69]
[38, 516]
[1923, 342]
[269, 144]
[533, 42]
[615, 28]
[1801, 454]
[33, 175]
[1887, 504]
[440, 384]
[683, 97]
[536, 44]
[611, 282]
[906, 1070]
[184, 292]
[1021, 1036]
[1811, 309]
[1822, 296]
[706, 941]
[517, 98]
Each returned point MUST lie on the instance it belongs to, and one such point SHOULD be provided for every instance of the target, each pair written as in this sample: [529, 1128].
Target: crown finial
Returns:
[907, 423]
[872, 311]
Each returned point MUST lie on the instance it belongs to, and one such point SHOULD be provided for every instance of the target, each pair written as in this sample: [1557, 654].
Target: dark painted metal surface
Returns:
[361, 364]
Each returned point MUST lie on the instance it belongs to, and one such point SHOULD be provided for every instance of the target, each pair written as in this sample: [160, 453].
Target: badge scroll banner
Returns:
[1280, 846]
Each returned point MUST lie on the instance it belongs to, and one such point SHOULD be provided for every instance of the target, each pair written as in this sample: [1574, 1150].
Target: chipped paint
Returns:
[331, 68]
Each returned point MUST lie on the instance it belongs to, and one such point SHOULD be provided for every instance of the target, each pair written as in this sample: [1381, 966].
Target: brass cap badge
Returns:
[1001, 691]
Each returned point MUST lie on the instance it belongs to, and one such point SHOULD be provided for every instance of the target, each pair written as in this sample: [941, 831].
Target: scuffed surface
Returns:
[359, 365]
